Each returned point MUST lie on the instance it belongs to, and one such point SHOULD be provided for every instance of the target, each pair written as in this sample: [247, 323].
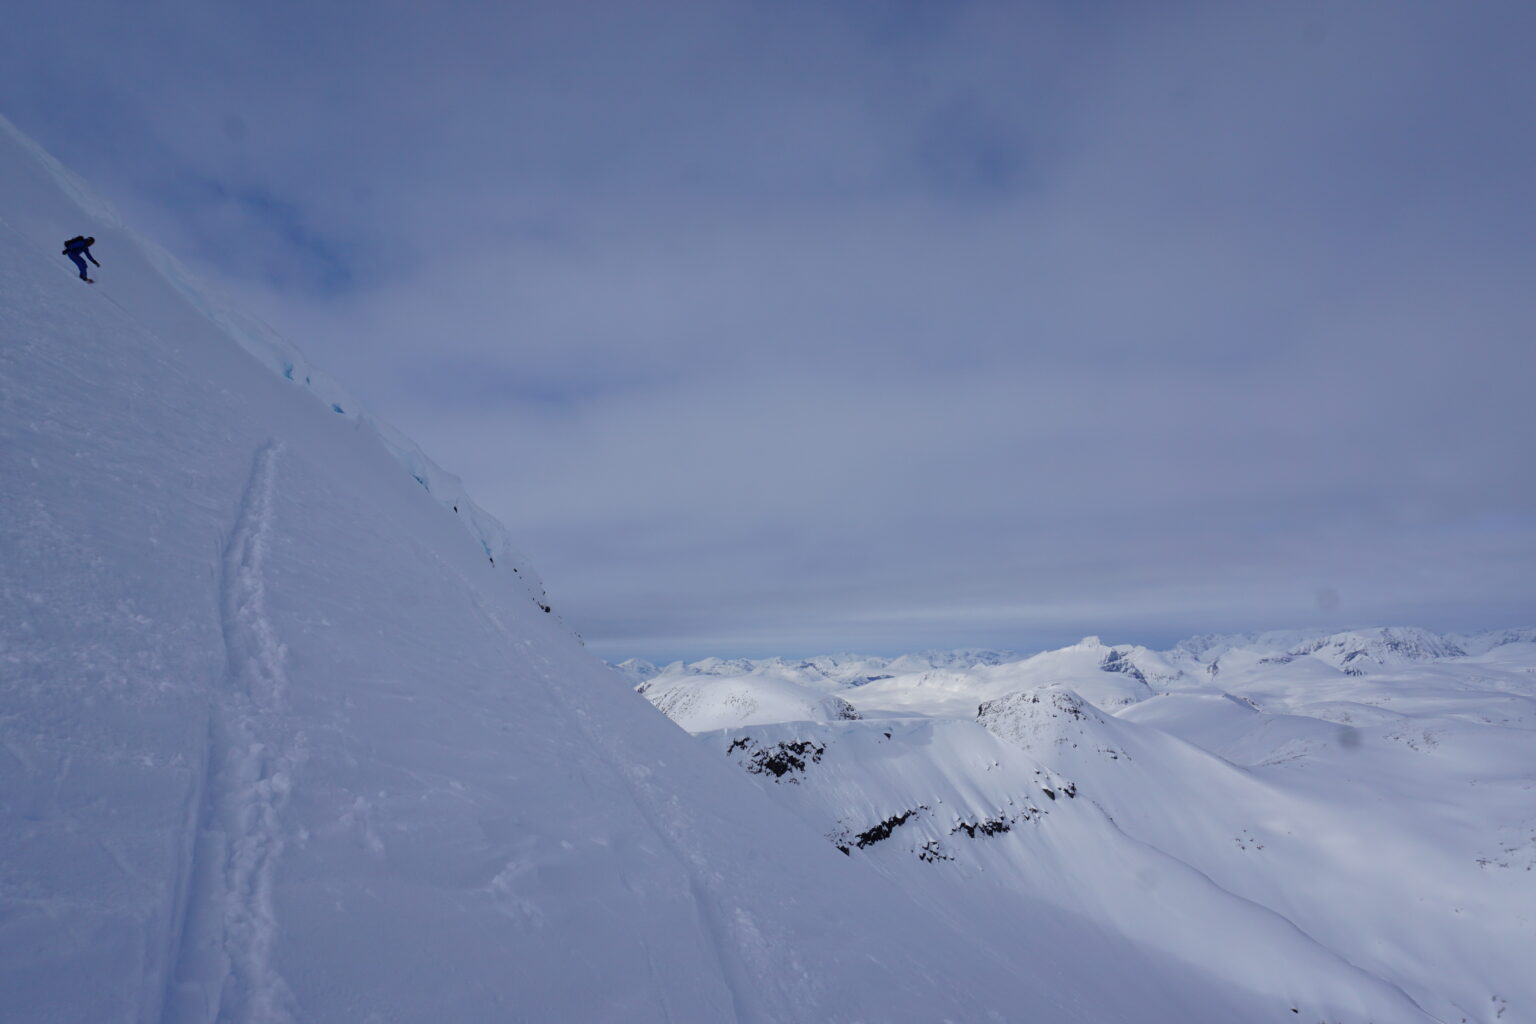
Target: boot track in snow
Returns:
[223, 967]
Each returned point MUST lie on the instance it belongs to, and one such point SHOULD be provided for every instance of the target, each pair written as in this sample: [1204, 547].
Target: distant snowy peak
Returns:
[723, 667]
[1396, 644]
[1053, 724]
[635, 670]
[1111, 677]
[1036, 711]
[703, 703]
[1208, 647]
[1482, 643]
[1120, 661]
[1141, 664]
[1356, 652]
[963, 658]
[827, 671]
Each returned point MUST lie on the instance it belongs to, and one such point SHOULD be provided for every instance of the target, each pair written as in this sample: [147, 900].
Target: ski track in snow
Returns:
[722, 936]
[223, 966]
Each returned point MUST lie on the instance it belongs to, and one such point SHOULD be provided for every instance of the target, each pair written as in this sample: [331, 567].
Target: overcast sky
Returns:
[785, 327]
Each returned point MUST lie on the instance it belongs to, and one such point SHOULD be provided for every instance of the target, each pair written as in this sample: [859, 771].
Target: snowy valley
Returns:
[289, 732]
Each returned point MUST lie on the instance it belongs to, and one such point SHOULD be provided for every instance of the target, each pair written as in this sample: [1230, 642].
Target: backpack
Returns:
[71, 244]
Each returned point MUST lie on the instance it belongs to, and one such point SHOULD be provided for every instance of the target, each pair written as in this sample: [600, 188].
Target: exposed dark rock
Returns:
[842, 839]
[841, 709]
[779, 760]
[882, 831]
[1118, 661]
[932, 851]
[985, 827]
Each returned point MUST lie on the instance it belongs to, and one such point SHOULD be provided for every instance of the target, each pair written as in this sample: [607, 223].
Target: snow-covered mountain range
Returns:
[1329, 820]
[288, 732]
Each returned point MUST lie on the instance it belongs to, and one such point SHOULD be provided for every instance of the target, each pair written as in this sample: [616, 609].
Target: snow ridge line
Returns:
[225, 970]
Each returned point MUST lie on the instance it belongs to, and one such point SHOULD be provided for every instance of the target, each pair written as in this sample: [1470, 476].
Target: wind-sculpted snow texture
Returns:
[278, 742]
[1340, 824]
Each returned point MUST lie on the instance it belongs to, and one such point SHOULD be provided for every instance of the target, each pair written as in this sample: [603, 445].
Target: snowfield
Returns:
[1342, 823]
[289, 732]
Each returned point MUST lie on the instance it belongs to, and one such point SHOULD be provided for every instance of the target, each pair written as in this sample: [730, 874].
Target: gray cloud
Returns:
[778, 327]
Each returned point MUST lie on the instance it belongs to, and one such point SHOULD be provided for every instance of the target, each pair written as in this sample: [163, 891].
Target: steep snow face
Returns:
[287, 733]
[1353, 845]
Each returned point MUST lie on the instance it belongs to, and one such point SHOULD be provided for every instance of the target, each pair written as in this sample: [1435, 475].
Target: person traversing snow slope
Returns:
[78, 247]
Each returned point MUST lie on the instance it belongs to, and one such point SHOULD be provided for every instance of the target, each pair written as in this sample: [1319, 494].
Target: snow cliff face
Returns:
[287, 732]
[1339, 825]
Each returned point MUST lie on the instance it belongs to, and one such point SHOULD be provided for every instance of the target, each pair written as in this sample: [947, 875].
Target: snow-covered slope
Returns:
[1341, 824]
[744, 702]
[286, 732]
[932, 682]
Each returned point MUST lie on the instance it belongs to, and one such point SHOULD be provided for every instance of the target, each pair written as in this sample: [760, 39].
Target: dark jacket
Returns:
[80, 245]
